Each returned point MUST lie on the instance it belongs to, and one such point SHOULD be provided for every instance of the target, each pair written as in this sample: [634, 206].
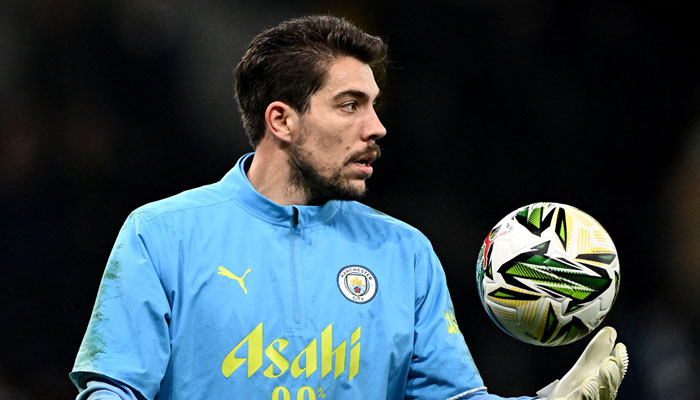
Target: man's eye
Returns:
[351, 106]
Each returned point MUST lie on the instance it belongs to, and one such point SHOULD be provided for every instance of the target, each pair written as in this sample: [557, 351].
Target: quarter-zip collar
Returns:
[245, 194]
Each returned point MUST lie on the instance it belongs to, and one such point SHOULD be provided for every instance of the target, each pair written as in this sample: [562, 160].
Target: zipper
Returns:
[295, 231]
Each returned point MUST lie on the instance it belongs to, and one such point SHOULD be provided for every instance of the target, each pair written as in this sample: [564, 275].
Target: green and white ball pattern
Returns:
[548, 274]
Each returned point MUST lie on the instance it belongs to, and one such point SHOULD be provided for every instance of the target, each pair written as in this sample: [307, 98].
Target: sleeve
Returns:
[106, 390]
[483, 395]
[127, 338]
[442, 366]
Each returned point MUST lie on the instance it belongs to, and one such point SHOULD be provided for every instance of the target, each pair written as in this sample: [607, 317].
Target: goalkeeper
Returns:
[275, 283]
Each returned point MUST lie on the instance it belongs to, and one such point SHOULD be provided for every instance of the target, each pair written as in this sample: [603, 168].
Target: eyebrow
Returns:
[358, 94]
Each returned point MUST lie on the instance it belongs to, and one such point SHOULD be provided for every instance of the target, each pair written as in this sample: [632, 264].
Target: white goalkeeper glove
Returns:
[596, 375]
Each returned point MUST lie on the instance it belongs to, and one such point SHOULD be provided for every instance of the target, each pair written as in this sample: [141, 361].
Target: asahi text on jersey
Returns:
[277, 363]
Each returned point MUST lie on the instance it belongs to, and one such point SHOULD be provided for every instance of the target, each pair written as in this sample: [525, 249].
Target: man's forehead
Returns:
[349, 76]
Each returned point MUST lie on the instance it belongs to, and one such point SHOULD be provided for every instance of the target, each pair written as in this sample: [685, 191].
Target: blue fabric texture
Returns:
[218, 292]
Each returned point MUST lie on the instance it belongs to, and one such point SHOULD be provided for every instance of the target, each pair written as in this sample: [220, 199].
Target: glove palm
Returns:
[596, 375]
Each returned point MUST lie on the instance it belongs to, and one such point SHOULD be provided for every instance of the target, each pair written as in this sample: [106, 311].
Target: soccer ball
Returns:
[548, 274]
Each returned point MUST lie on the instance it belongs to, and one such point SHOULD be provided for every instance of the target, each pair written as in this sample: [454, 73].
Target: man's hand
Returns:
[597, 373]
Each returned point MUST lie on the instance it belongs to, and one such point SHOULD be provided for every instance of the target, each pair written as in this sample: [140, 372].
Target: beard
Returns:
[318, 188]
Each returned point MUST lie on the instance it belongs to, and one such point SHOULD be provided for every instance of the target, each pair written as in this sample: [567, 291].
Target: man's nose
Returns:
[374, 129]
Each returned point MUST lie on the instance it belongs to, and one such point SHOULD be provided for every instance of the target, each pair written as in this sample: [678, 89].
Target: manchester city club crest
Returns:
[357, 283]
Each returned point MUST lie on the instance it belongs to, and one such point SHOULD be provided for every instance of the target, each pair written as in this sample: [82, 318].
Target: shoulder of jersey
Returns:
[384, 220]
[197, 198]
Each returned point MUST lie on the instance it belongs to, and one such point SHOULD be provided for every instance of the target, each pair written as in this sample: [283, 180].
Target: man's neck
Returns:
[270, 174]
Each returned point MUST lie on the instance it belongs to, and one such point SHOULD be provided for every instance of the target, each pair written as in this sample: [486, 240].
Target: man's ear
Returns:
[281, 120]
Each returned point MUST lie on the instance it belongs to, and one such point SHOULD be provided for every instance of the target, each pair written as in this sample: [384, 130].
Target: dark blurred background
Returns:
[490, 105]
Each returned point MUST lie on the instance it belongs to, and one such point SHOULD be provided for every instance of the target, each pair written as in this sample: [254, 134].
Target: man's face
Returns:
[331, 154]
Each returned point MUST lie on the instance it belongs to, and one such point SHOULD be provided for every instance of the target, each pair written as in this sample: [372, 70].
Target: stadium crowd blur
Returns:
[490, 105]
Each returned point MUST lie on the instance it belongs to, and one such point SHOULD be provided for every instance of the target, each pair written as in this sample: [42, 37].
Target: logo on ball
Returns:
[357, 283]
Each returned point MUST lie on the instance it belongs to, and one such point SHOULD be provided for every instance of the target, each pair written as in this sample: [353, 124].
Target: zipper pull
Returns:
[295, 217]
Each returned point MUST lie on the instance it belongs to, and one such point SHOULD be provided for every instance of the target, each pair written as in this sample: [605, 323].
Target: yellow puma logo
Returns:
[223, 271]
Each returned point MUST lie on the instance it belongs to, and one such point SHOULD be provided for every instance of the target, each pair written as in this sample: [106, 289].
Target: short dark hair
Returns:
[289, 63]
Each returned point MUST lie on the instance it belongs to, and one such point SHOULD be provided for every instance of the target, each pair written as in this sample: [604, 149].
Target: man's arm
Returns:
[442, 367]
[128, 339]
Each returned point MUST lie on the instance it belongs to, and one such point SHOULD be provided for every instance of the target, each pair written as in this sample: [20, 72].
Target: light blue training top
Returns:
[219, 293]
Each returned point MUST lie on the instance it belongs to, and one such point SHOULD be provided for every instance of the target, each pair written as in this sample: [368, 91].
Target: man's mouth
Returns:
[366, 160]
[364, 163]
